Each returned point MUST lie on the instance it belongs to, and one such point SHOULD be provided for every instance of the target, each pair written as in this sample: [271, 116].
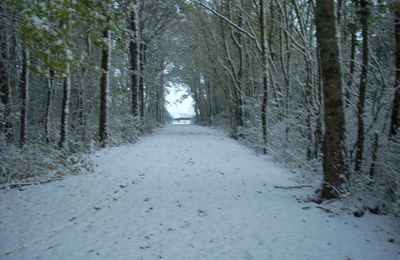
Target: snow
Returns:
[40, 22]
[186, 192]
[69, 54]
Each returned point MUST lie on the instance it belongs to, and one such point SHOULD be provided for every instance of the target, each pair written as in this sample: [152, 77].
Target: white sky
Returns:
[176, 105]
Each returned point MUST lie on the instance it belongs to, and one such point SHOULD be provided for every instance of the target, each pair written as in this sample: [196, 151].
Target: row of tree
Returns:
[311, 82]
[78, 74]
[66, 65]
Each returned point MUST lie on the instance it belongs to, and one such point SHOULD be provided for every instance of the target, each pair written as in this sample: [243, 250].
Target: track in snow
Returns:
[187, 192]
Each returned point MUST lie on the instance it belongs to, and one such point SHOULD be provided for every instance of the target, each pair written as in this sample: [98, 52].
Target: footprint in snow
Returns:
[178, 203]
[190, 162]
[201, 213]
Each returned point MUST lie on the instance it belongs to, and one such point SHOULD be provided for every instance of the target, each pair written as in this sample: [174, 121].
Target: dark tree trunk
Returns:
[24, 94]
[394, 125]
[334, 162]
[5, 93]
[134, 59]
[363, 86]
[142, 57]
[264, 60]
[104, 82]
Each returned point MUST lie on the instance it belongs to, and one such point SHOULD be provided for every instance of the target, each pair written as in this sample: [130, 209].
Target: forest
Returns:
[314, 84]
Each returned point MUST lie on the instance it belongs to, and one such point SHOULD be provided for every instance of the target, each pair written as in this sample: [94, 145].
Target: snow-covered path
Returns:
[186, 192]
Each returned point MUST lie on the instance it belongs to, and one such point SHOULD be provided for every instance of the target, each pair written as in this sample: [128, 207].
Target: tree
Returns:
[104, 85]
[24, 96]
[134, 44]
[264, 76]
[334, 161]
[6, 126]
[394, 124]
[65, 106]
[364, 12]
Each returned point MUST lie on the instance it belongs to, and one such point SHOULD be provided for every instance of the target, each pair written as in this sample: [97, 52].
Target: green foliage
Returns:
[394, 6]
[53, 28]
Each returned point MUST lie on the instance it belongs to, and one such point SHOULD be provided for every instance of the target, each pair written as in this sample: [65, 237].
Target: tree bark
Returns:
[24, 96]
[65, 107]
[334, 165]
[363, 85]
[104, 85]
[352, 67]
[394, 124]
[6, 126]
[134, 58]
[264, 60]
[142, 62]
[49, 104]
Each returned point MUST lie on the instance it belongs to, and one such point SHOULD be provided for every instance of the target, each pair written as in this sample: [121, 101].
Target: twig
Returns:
[325, 209]
[18, 185]
[293, 187]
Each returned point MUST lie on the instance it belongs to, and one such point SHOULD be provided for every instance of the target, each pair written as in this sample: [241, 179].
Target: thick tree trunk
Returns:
[5, 93]
[363, 85]
[394, 125]
[24, 94]
[334, 165]
[264, 59]
[65, 107]
[134, 58]
[104, 82]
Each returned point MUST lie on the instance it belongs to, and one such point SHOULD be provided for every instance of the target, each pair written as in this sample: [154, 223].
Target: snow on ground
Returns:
[187, 192]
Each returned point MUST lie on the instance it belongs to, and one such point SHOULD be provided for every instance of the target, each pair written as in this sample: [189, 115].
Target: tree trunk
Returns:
[375, 147]
[352, 67]
[134, 58]
[264, 59]
[65, 107]
[24, 94]
[363, 86]
[5, 93]
[334, 165]
[49, 104]
[142, 62]
[394, 125]
[104, 82]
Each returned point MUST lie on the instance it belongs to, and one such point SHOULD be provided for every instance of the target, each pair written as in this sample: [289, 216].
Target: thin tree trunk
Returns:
[394, 124]
[104, 82]
[24, 94]
[352, 67]
[134, 58]
[334, 166]
[49, 105]
[375, 147]
[363, 86]
[65, 107]
[142, 62]
[264, 59]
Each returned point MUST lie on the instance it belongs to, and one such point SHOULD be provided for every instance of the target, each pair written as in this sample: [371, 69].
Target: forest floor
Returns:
[185, 192]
